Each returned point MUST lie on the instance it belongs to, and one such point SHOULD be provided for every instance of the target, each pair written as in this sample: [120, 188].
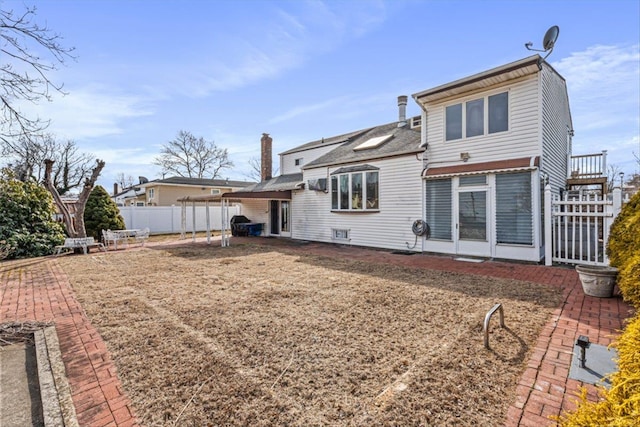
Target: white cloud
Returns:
[604, 85]
[282, 41]
[88, 112]
[604, 91]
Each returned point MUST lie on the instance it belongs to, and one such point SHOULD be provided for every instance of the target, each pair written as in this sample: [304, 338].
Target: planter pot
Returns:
[597, 281]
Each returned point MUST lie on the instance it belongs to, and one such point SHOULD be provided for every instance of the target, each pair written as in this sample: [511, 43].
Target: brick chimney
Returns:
[115, 188]
[265, 159]
[402, 110]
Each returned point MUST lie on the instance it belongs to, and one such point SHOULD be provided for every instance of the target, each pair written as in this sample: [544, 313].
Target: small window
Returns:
[215, 191]
[475, 117]
[344, 191]
[356, 191]
[473, 180]
[139, 203]
[499, 112]
[372, 190]
[454, 122]
[152, 192]
[340, 234]
[298, 162]
[334, 192]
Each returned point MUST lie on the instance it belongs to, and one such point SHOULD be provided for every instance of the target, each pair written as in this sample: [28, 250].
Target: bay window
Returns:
[354, 189]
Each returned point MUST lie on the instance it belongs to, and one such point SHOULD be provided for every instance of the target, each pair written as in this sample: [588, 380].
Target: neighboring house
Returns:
[166, 192]
[473, 166]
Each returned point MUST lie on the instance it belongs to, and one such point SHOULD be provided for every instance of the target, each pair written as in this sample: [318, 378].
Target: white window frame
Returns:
[485, 125]
[365, 196]
[151, 192]
[340, 234]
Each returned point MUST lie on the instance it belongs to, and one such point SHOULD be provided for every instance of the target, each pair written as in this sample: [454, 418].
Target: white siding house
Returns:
[472, 168]
[492, 140]
[384, 220]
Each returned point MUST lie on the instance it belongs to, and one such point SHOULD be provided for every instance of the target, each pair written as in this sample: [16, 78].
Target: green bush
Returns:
[27, 227]
[624, 236]
[101, 213]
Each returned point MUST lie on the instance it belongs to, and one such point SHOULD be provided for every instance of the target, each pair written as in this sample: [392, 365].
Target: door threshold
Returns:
[468, 259]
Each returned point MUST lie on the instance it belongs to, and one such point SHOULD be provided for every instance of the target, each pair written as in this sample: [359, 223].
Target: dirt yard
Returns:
[258, 335]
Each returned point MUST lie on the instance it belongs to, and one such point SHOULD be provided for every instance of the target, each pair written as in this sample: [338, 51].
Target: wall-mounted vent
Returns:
[317, 184]
[416, 122]
[341, 234]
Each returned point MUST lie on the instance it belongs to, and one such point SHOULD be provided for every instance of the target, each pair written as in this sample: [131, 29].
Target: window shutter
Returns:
[514, 219]
[439, 208]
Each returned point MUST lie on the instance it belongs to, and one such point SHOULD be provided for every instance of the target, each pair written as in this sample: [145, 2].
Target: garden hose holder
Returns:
[419, 228]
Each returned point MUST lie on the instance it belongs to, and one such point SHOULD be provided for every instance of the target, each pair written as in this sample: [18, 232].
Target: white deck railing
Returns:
[577, 227]
[589, 165]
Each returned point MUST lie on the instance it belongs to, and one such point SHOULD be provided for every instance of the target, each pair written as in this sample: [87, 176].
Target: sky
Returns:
[229, 71]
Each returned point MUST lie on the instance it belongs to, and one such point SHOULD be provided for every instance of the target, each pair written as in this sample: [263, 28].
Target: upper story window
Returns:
[298, 162]
[151, 193]
[215, 191]
[477, 117]
[355, 189]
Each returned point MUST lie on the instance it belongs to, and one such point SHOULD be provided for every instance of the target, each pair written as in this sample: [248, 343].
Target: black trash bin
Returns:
[237, 225]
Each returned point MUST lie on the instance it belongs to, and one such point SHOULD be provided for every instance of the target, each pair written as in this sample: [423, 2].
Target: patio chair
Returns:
[109, 237]
[141, 236]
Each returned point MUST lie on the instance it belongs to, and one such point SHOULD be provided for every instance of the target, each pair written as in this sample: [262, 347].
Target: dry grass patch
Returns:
[254, 335]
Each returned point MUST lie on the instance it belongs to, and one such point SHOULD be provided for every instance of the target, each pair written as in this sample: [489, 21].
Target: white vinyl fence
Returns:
[167, 219]
[577, 227]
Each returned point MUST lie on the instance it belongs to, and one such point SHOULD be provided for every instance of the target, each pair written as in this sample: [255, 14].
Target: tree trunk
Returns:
[77, 229]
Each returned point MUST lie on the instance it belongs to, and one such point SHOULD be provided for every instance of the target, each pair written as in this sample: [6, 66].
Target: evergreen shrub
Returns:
[27, 225]
[101, 213]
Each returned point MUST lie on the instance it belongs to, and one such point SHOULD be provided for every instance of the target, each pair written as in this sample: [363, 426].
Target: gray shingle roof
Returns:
[404, 141]
[277, 183]
[339, 139]
[179, 180]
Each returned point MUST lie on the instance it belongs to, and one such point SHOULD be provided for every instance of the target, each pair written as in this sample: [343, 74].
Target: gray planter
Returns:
[597, 281]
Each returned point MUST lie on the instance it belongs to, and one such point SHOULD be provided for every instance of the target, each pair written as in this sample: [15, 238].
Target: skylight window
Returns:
[373, 142]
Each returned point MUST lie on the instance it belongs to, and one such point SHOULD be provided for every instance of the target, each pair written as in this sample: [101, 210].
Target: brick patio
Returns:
[38, 290]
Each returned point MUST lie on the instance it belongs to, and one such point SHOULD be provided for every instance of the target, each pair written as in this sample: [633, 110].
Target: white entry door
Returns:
[472, 225]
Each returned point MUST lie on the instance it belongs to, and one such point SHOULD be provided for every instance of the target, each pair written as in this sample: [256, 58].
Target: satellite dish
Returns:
[550, 38]
[548, 42]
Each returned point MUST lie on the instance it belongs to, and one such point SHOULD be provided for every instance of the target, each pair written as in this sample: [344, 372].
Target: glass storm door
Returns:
[285, 219]
[472, 229]
[280, 218]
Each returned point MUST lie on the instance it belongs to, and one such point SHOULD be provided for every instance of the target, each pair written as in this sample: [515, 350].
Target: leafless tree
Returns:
[71, 166]
[192, 157]
[124, 181]
[255, 170]
[73, 225]
[28, 52]
[613, 176]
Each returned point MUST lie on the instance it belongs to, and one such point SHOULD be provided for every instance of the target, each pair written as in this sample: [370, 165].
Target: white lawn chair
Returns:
[142, 236]
[109, 237]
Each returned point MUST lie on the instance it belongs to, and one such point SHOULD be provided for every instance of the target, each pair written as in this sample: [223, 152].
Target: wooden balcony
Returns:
[588, 171]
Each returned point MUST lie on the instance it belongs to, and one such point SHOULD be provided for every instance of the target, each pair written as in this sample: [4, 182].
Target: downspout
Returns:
[423, 144]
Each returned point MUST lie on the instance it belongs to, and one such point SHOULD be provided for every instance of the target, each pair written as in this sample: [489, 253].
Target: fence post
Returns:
[613, 209]
[548, 226]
